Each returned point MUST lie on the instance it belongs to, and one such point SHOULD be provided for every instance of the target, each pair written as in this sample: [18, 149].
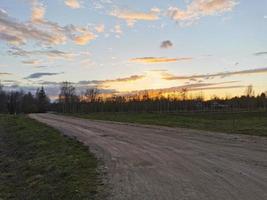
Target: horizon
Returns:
[217, 47]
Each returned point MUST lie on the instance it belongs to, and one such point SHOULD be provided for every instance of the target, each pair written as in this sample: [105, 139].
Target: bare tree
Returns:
[67, 97]
[184, 93]
[249, 92]
[91, 94]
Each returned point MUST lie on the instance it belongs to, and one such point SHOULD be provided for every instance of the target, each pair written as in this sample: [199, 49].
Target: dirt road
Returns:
[158, 163]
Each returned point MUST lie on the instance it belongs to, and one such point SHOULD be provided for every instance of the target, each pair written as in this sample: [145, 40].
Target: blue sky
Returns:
[135, 45]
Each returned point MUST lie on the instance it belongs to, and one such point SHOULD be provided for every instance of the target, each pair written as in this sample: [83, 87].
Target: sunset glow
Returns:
[213, 47]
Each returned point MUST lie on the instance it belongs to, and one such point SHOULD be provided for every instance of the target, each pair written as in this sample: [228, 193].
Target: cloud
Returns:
[117, 30]
[221, 74]
[4, 73]
[200, 8]
[219, 88]
[11, 39]
[41, 31]
[86, 62]
[126, 79]
[190, 87]
[41, 66]
[31, 62]
[100, 28]
[41, 74]
[101, 82]
[131, 17]
[53, 83]
[166, 44]
[74, 4]
[38, 12]
[262, 53]
[92, 82]
[79, 35]
[18, 33]
[51, 91]
[85, 38]
[9, 81]
[52, 53]
[158, 59]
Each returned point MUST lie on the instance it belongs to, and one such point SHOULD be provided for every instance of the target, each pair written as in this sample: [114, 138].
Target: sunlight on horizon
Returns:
[217, 47]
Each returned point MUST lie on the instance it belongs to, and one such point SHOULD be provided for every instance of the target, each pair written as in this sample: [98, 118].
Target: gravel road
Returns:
[158, 163]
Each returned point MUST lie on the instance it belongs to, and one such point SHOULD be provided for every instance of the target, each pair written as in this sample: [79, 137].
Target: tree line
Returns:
[15, 102]
[91, 101]
[69, 101]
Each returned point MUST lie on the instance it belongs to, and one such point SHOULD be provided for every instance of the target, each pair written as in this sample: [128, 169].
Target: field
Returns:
[37, 162]
[250, 123]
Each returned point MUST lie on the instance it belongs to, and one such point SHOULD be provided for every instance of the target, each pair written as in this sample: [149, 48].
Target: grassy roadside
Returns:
[37, 162]
[251, 123]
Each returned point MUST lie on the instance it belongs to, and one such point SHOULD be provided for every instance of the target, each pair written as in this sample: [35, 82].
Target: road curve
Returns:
[158, 163]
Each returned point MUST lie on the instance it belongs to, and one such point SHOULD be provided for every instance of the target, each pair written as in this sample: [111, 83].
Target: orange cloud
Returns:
[158, 59]
[118, 80]
[132, 16]
[74, 4]
[84, 39]
[38, 12]
[200, 8]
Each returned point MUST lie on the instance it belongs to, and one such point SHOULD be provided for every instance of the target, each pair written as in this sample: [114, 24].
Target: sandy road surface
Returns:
[150, 162]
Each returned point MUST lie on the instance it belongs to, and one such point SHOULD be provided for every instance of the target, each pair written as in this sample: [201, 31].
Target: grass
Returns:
[250, 123]
[37, 162]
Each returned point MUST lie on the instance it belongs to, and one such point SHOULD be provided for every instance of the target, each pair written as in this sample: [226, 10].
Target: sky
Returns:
[216, 47]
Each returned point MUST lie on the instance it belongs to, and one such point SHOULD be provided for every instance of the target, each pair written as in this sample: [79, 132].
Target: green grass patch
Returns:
[37, 162]
[250, 123]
